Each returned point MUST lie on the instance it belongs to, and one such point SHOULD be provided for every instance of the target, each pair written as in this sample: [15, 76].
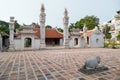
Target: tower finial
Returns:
[42, 8]
[66, 12]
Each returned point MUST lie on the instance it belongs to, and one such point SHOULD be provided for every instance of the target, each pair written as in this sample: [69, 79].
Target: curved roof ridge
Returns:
[58, 31]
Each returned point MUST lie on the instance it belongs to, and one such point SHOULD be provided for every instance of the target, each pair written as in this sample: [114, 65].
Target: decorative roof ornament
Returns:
[84, 28]
[96, 28]
[117, 17]
[118, 12]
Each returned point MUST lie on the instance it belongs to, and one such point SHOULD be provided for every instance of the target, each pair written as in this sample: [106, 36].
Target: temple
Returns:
[35, 37]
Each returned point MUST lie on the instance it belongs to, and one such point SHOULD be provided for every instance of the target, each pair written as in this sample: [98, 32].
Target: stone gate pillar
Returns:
[11, 37]
[42, 27]
[85, 35]
[0, 42]
[65, 23]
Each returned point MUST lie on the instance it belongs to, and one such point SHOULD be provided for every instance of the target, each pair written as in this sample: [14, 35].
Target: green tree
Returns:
[106, 30]
[118, 36]
[4, 27]
[60, 29]
[48, 26]
[89, 21]
[17, 25]
[72, 25]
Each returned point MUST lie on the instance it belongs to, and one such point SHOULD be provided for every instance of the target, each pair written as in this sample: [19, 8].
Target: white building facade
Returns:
[26, 39]
[86, 39]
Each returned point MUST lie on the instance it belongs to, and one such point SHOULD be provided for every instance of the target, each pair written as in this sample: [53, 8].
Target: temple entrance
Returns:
[5, 41]
[88, 40]
[52, 41]
[28, 42]
[4, 44]
[75, 41]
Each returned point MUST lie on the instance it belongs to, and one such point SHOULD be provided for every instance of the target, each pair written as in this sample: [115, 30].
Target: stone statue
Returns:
[92, 63]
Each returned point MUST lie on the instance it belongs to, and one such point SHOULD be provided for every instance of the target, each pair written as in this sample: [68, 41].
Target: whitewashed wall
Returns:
[82, 42]
[37, 44]
[93, 39]
[72, 41]
[61, 42]
[18, 44]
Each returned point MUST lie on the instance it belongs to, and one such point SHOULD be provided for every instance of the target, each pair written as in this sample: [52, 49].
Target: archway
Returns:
[76, 41]
[28, 42]
[87, 40]
[97, 40]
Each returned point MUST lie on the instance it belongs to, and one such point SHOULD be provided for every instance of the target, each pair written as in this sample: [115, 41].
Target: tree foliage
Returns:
[89, 21]
[72, 25]
[4, 26]
[48, 26]
[118, 36]
[17, 25]
[106, 30]
[60, 29]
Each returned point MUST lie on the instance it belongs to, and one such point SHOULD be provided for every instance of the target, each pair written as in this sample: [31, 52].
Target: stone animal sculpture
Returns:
[92, 63]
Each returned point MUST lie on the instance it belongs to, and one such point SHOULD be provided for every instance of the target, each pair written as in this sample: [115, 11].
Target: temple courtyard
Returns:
[57, 64]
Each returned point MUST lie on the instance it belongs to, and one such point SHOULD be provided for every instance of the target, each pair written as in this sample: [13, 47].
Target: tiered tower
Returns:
[42, 27]
[65, 23]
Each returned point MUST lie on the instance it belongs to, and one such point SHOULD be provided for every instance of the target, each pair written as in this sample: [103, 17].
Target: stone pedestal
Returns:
[66, 43]
[93, 71]
[42, 44]
[11, 47]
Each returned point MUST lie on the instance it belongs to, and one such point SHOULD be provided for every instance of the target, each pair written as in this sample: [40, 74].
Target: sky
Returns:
[28, 11]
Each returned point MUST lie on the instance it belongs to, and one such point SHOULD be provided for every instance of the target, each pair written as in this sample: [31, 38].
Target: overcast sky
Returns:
[27, 11]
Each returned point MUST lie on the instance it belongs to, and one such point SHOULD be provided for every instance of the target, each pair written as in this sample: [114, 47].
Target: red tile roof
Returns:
[49, 33]
[88, 33]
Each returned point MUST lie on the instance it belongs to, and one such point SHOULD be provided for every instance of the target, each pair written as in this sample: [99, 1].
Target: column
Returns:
[65, 23]
[85, 35]
[42, 27]
[11, 36]
[0, 42]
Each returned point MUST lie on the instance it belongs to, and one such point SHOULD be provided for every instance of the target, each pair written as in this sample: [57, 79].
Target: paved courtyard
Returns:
[58, 64]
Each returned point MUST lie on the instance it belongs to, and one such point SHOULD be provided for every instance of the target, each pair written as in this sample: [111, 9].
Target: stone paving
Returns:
[58, 64]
